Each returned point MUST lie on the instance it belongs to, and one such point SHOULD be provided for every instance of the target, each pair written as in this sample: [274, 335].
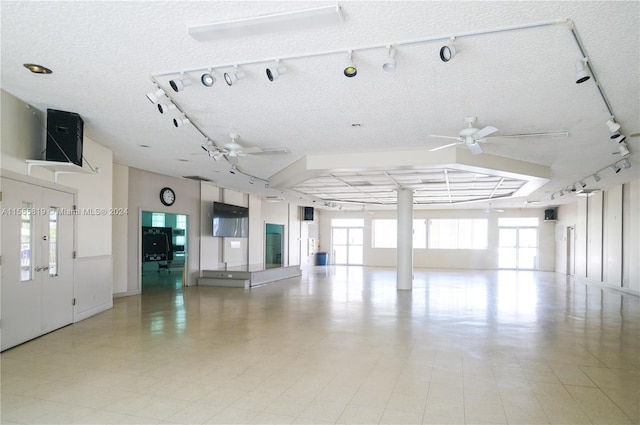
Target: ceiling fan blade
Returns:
[273, 151]
[232, 159]
[482, 133]
[474, 148]
[538, 135]
[444, 137]
[444, 147]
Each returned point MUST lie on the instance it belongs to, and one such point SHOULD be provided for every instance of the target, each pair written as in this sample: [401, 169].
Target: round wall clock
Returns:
[167, 196]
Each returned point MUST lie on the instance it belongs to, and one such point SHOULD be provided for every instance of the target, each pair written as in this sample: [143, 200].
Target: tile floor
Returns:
[341, 345]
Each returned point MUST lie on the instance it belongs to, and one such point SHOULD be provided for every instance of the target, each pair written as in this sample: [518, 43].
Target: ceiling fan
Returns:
[471, 136]
[233, 150]
[490, 209]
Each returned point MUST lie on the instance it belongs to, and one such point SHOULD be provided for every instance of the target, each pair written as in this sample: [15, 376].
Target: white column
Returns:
[405, 240]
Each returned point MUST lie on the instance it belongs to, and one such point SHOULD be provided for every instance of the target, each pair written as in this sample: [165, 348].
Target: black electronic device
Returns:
[230, 221]
[550, 214]
[308, 214]
[64, 137]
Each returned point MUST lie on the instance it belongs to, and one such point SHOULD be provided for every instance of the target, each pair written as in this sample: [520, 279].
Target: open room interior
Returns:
[315, 212]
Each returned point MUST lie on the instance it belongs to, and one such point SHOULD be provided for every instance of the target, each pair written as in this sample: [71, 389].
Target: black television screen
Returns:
[230, 221]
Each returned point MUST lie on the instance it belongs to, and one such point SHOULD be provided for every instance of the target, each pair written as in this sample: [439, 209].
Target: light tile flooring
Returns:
[341, 345]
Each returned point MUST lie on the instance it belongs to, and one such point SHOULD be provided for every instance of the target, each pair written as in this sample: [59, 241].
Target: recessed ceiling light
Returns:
[37, 69]
[144, 146]
[357, 124]
[183, 160]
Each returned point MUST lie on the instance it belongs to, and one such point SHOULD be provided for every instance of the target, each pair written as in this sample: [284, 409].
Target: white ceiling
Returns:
[105, 57]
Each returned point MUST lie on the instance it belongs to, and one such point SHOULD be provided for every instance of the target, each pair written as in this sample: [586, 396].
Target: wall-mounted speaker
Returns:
[550, 214]
[64, 137]
[308, 214]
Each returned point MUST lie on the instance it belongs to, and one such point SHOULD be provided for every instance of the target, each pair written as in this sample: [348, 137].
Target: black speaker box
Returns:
[64, 136]
[308, 214]
[550, 214]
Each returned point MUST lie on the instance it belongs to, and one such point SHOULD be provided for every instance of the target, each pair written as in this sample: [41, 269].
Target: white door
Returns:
[347, 245]
[37, 269]
[518, 248]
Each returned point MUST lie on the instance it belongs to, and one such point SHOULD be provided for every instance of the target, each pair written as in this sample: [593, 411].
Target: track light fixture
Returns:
[615, 168]
[614, 128]
[233, 169]
[208, 79]
[207, 146]
[596, 177]
[232, 77]
[179, 84]
[582, 184]
[389, 64]
[276, 70]
[624, 149]
[449, 51]
[581, 73]
[179, 122]
[350, 70]
[251, 180]
[626, 163]
[166, 107]
[215, 154]
[553, 196]
[155, 96]
[620, 139]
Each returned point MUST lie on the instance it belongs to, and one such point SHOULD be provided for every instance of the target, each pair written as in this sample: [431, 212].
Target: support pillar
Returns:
[405, 240]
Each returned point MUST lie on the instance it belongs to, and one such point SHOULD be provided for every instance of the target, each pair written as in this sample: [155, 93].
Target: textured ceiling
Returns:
[106, 56]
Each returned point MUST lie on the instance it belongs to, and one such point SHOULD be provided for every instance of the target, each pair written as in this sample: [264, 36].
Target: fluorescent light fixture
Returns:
[389, 64]
[258, 25]
[581, 73]
[155, 96]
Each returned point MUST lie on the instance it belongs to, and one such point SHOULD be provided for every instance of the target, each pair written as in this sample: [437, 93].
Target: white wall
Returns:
[23, 137]
[120, 226]
[607, 237]
[434, 258]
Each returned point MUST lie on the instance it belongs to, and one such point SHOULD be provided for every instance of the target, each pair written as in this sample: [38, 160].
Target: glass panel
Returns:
[527, 258]
[355, 254]
[26, 242]
[384, 233]
[339, 236]
[355, 237]
[507, 258]
[528, 238]
[419, 233]
[340, 253]
[518, 222]
[53, 241]
[347, 222]
[507, 238]
[157, 219]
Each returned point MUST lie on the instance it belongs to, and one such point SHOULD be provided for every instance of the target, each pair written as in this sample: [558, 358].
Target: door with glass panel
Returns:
[518, 248]
[347, 245]
[37, 269]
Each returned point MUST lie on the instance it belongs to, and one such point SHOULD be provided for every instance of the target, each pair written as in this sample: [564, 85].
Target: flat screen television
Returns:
[230, 221]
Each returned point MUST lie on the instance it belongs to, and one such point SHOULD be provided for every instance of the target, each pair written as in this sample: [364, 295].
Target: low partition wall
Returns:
[247, 276]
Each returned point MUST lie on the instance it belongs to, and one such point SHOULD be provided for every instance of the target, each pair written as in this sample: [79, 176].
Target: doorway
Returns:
[347, 245]
[518, 248]
[273, 245]
[164, 250]
[571, 251]
[37, 271]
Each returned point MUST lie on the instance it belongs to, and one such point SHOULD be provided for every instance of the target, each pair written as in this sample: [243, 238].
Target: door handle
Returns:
[38, 269]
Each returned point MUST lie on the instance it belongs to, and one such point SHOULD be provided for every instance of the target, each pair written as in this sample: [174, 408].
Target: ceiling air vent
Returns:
[197, 178]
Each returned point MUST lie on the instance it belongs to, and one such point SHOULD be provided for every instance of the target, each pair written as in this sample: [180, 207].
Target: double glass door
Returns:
[518, 248]
[348, 245]
[37, 270]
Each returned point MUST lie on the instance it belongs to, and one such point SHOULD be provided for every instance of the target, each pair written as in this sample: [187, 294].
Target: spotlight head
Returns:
[581, 73]
[208, 79]
[447, 52]
[233, 169]
[179, 122]
[273, 72]
[582, 184]
[614, 128]
[553, 196]
[164, 108]
[620, 139]
[154, 96]
[624, 150]
[615, 168]
[350, 70]
[626, 163]
[232, 77]
[596, 177]
[389, 64]
[179, 84]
